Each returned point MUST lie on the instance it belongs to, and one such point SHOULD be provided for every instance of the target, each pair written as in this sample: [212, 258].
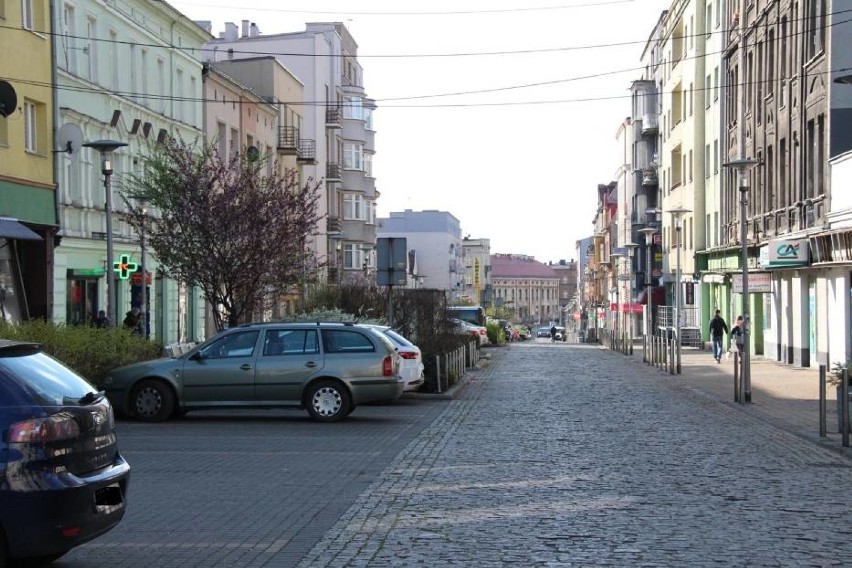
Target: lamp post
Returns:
[106, 148]
[742, 167]
[616, 262]
[631, 252]
[144, 299]
[649, 233]
[677, 215]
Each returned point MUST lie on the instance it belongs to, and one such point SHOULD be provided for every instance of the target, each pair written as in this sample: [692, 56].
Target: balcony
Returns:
[307, 153]
[332, 224]
[288, 140]
[334, 117]
[649, 177]
[333, 172]
[650, 124]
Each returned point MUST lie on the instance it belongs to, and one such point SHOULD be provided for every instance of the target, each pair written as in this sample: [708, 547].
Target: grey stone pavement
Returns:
[574, 455]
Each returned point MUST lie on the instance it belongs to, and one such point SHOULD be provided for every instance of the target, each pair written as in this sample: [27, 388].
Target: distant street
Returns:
[552, 455]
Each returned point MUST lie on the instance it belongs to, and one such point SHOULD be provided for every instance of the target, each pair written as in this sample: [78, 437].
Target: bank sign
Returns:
[784, 253]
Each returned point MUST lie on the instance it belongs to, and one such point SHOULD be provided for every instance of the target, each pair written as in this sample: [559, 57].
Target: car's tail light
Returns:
[408, 354]
[387, 366]
[54, 428]
[483, 332]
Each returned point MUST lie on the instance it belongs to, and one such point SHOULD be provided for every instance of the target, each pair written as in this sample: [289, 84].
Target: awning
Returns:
[12, 229]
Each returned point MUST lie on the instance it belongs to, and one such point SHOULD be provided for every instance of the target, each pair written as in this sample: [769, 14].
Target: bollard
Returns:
[736, 380]
[822, 405]
[438, 374]
[671, 356]
[844, 406]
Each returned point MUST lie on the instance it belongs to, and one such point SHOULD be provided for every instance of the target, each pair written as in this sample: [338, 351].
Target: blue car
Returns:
[62, 479]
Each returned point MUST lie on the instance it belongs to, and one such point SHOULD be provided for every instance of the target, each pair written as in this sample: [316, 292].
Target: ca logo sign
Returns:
[788, 250]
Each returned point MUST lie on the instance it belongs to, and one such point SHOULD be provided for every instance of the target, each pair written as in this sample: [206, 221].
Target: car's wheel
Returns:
[152, 401]
[328, 401]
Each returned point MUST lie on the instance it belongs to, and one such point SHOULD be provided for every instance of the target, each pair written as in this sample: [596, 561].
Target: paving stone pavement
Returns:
[569, 455]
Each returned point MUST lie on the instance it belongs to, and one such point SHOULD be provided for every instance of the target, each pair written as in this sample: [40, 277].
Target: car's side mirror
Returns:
[197, 356]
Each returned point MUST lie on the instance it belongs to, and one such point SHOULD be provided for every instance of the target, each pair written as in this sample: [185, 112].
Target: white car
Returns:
[479, 331]
[411, 359]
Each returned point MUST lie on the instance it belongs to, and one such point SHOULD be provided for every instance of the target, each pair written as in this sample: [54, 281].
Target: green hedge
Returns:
[90, 351]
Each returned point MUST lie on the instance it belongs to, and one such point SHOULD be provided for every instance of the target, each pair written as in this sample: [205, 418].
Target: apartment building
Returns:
[336, 140]
[527, 287]
[477, 281]
[28, 217]
[434, 238]
[120, 77]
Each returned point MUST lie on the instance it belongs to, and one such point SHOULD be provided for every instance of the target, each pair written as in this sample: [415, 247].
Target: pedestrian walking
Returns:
[718, 329]
[737, 333]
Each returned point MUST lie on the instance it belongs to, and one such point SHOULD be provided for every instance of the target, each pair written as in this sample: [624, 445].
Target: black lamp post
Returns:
[742, 167]
[106, 148]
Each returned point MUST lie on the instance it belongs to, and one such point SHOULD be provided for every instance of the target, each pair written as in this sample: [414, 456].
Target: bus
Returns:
[470, 314]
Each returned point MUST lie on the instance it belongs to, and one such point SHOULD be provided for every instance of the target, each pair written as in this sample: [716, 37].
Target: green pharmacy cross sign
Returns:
[124, 266]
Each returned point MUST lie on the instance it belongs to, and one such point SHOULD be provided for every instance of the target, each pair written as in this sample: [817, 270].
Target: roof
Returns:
[515, 266]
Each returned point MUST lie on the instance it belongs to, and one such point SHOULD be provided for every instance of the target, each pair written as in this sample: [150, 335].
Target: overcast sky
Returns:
[517, 159]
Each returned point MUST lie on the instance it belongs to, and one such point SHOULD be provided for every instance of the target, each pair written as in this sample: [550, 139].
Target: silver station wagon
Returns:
[326, 368]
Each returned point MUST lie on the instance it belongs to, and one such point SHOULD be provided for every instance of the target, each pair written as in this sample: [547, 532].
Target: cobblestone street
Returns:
[561, 455]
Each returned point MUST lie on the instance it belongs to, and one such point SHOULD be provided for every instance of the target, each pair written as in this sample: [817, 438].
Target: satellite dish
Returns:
[252, 153]
[69, 138]
[8, 99]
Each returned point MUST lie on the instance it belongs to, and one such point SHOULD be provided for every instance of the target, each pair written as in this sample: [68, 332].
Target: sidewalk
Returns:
[783, 395]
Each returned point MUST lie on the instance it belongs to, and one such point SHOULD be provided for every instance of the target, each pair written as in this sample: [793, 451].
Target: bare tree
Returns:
[233, 228]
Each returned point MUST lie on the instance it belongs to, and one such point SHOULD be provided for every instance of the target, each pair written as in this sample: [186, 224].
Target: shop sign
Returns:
[788, 253]
[758, 283]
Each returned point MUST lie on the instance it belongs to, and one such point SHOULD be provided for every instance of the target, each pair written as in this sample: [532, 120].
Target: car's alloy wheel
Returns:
[328, 401]
[152, 401]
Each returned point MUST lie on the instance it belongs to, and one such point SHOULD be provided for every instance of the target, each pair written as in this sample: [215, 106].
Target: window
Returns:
[353, 108]
[69, 41]
[27, 15]
[716, 83]
[345, 341]
[715, 156]
[161, 85]
[233, 143]
[368, 165]
[368, 118]
[689, 165]
[290, 342]
[179, 94]
[353, 156]
[113, 46]
[707, 161]
[92, 47]
[355, 207]
[222, 139]
[708, 86]
[239, 344]
[353, 256]
[31, 120]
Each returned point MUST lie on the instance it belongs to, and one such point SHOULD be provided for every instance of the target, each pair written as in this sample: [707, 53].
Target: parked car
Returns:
[326, 368]
[543, 331]
[411, 359]
[479, 331]
[63, 481]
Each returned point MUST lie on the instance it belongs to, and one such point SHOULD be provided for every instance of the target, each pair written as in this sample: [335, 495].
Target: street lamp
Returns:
[742, 167]
[617, 256]
[106, 148]
[677, 215]
[631, 252]
[649, 233]
[144, 299]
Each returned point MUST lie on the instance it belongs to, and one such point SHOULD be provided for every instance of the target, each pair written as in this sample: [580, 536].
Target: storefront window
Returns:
[81, 301]
[10, 307]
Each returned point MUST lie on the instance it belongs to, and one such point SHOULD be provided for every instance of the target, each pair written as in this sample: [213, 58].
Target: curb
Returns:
[454, 391]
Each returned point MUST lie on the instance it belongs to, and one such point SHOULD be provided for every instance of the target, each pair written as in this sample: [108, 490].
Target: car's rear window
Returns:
[397, 338]
[49, 382]
[346, 341]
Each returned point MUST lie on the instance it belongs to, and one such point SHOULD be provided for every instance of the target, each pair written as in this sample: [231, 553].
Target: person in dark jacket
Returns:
[737, 333]
[718, 329]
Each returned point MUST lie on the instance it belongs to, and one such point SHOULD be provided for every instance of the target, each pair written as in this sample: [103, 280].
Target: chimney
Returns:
[206, 25]
[254, 31]
[231, 31]
[245, 28]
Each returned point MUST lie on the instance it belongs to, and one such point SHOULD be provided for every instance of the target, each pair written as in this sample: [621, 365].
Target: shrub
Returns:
[90, 351]
[496, 334]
